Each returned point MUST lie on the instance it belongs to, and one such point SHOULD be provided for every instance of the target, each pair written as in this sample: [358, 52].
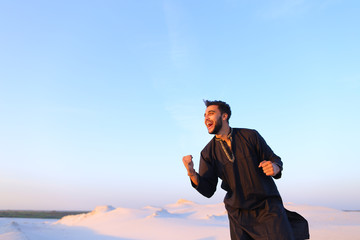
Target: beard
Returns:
[218, 126]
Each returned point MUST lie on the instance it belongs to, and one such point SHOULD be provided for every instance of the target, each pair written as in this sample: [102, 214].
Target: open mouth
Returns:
[209, 124]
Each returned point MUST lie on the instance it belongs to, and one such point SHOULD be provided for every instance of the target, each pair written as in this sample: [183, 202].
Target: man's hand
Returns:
[269, 168]
[189, 165]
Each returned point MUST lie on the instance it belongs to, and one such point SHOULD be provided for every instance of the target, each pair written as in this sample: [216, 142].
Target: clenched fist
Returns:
[269, 168]
[189, 165]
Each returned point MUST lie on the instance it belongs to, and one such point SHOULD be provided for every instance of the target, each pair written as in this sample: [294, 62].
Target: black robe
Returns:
[252, 200]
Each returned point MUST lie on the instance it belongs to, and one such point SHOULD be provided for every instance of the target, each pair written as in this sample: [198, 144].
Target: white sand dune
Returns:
[330, 224]
[182, 220]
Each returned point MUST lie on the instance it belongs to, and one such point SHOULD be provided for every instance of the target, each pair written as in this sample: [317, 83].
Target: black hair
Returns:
[223, 106]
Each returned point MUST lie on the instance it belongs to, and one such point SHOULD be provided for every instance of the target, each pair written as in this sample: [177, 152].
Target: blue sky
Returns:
[99, 100]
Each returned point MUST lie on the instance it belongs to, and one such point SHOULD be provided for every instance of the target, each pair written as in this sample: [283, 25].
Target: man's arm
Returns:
[271, 163]
[205, 181]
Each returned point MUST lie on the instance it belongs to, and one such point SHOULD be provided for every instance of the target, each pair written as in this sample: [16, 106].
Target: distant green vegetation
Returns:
[37, 214]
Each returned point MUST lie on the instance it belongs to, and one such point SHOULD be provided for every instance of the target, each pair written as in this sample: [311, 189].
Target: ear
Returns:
[224, 116]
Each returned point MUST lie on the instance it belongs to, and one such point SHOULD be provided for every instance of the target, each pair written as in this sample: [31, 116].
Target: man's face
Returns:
[213, 119]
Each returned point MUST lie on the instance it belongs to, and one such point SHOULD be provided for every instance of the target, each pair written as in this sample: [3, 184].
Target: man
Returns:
[246, 165]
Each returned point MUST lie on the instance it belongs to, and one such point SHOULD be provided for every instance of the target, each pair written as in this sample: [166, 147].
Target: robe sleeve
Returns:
[265, 153]
[207, 176]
